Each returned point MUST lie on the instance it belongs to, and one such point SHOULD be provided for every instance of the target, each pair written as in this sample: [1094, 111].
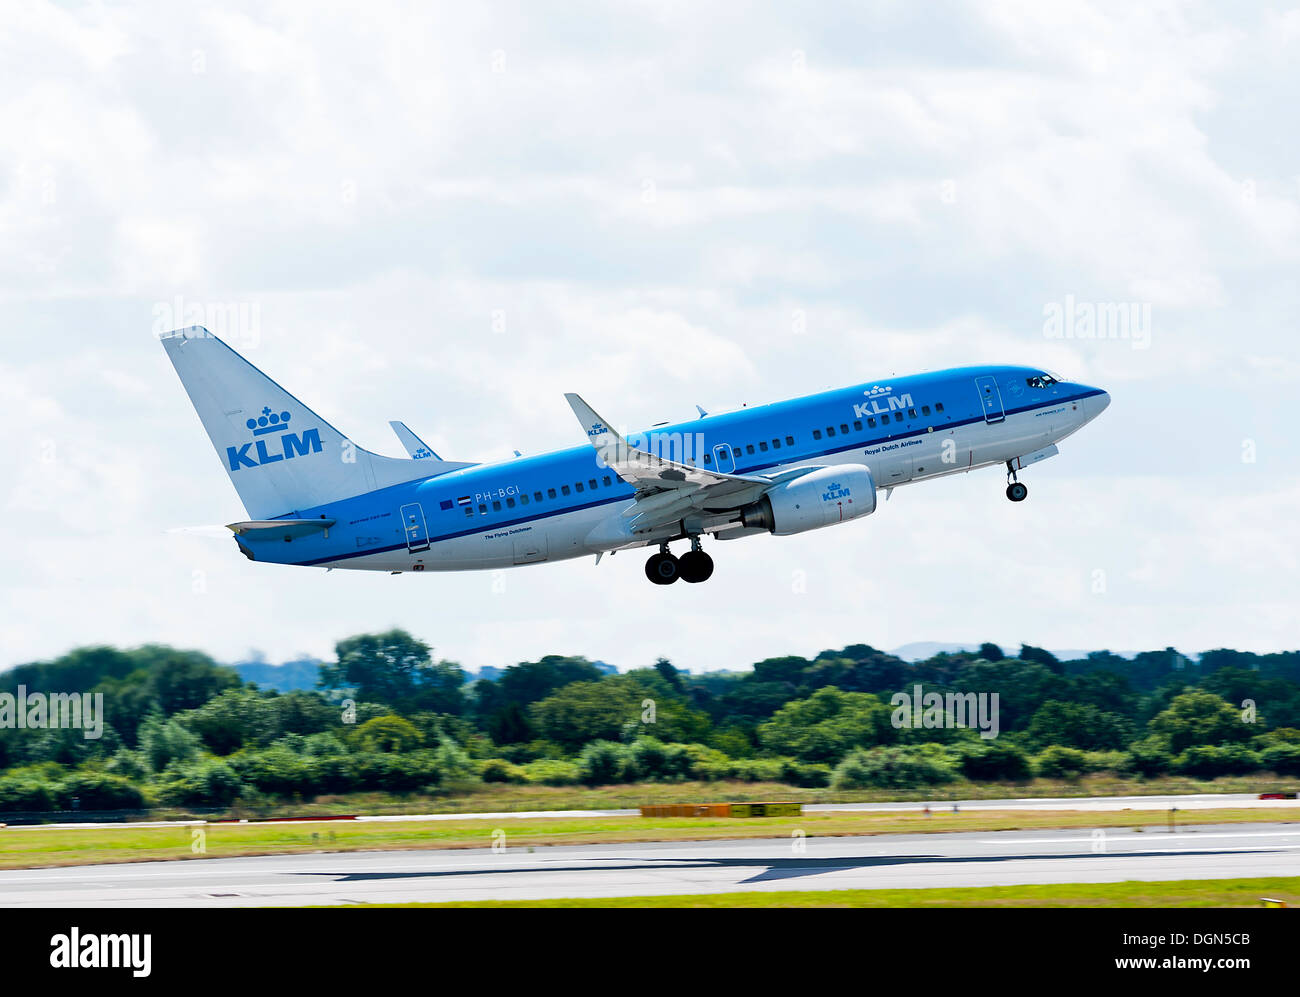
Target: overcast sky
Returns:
[453, 216]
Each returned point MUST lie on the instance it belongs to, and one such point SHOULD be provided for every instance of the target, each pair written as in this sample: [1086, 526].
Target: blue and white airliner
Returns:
[315, 498]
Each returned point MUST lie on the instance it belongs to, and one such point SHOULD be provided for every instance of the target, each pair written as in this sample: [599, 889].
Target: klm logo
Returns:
[596, 429]
[881, 402]
[836, 493]
[257, 453]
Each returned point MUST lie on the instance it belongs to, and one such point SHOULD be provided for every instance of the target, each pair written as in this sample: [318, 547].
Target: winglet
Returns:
[415, 446]
[599, 433]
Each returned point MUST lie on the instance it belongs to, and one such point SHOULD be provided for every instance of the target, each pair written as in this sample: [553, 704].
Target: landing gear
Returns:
[695, 565]
[692, 567]
[663, 568]
[1015, 490]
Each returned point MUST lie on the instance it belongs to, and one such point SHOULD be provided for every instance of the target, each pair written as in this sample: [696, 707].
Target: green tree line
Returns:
[181, 730]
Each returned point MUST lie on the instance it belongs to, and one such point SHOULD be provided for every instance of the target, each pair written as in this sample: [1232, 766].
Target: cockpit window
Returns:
[1041, 380]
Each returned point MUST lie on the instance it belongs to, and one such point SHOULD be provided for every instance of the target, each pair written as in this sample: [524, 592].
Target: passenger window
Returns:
[523, 498]
[707, 459]
[469, 510]
[482, 510]
[844, 428]
[925, 409]
[898, 416]
[510, 503]
[762, 446]
[817, 434]
[911, 413]
[776, 444]
[444, 505]
[591, 483]
[749, 448]
[789, 441]
[537, 496]
[496, 506]
[871, 422]
[564, 489]
[550, 492]
[830, 430]
[578, 485]
[607, 481]
[857, 425]
[938, 406]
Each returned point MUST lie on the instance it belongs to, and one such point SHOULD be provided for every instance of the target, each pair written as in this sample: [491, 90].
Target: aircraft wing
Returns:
[666, 490]
[414, 445]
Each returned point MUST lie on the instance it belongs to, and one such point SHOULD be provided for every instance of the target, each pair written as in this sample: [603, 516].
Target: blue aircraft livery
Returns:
[313, 497]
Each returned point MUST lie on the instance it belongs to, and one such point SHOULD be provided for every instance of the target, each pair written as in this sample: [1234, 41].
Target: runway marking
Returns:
[1113, 835]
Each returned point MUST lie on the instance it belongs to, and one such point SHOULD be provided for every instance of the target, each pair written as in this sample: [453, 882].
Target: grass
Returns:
[34, 847]
[504, 797]
[1170, 893]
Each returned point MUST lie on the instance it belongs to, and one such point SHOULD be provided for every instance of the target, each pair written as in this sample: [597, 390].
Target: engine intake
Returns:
[819, 498]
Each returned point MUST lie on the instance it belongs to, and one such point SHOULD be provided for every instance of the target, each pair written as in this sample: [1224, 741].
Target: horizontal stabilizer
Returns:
[276, 529]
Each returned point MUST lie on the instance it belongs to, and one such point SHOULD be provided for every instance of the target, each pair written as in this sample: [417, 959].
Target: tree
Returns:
[395, 668]
[991, 652]
[1198, 718]
[826, 725]
[1036, 654]
[530, 681]
[1078, 725]
[389, 733]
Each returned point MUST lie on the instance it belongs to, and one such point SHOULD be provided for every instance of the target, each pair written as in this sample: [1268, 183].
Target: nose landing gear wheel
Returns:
[1016, 491]
[695, 566]
[662, 568]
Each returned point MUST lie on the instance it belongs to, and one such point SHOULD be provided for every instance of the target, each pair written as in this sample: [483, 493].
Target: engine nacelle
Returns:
[819, 498]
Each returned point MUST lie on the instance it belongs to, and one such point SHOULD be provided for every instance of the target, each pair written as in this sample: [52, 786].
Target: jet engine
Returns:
[819, 498]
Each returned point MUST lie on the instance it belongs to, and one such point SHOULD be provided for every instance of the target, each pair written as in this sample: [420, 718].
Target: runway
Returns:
[911, 861]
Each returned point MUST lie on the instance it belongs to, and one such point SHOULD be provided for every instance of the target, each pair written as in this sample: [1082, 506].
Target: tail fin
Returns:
[281, 456]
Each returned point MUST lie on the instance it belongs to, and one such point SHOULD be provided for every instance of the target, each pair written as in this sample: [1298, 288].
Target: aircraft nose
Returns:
[1097, 404]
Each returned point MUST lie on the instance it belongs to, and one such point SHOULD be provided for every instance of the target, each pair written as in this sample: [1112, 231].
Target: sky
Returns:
[452, 214]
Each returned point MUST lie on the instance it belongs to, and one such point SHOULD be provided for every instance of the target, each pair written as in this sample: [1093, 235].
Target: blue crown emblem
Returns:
[268, 422]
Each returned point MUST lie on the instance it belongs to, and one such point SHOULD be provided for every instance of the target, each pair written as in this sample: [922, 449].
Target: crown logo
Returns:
[268, 422]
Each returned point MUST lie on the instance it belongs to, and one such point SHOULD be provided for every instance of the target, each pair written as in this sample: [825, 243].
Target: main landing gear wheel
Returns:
[663, 568]
[1016, 491]
[695, 566]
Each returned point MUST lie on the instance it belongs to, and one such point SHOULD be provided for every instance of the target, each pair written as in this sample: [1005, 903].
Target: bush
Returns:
[204, 783]
[759, 769]
[1118, 762]
[1210, 760]
[808, 774]
[19, 793]
[1284, 759]
[993, 760]
[552, 772]
[604, 762]
[1058, 762]
[500, 770]
[1150, 756]
[894, 768]
[100, 791]
[653, 760]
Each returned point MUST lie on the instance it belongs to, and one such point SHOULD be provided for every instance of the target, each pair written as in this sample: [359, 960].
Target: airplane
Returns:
[315, 498]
